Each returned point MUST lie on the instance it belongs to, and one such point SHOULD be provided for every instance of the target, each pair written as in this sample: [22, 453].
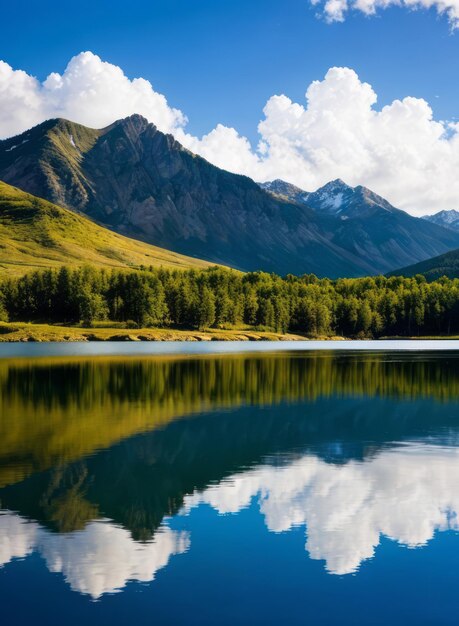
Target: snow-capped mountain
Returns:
[335, 198]
[450, 219]
[339, 199]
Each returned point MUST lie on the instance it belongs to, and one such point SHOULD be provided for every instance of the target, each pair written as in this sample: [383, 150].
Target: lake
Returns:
[218, 485]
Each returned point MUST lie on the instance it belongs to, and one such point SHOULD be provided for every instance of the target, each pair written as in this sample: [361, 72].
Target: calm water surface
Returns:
[220, 489]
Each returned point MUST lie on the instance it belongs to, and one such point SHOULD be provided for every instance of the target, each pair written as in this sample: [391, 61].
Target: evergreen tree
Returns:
[364, 307]
[205, 310]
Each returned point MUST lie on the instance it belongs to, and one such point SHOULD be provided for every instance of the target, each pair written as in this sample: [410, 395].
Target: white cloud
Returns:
[399, 151]
[225, 148]
[90, 91]
[335, 10]
[405, 494]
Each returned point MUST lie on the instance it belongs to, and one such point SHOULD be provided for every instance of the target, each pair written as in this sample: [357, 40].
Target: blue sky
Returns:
[220, 60]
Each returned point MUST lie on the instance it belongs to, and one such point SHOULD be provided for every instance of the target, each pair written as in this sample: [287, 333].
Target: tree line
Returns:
[217, 297]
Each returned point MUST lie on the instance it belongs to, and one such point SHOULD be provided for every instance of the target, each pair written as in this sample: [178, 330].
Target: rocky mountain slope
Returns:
[144, 184]
[37, 234]
[285, 191]
[449, 219]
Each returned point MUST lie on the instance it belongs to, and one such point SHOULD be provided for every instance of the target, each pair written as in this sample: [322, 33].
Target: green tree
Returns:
[205, 310]
[92, 307]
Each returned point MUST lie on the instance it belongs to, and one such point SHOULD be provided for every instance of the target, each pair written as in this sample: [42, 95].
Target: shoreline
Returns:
[24, 332]
[13, 332]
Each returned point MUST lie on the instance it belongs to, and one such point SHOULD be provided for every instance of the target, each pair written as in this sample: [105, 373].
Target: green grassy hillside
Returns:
[37, 234]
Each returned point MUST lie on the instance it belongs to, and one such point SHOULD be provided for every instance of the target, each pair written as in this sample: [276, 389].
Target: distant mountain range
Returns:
[339, 200]
[375, 225]
[37, 234]
[139, 182]
[449, 219]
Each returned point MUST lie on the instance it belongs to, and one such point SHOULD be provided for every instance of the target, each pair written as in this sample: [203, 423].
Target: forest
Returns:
[221, 298]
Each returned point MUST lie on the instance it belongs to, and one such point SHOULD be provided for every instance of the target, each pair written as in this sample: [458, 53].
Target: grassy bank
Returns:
[19, 331]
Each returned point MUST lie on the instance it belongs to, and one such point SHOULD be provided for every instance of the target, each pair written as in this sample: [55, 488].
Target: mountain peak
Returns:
[285, 190]
[448, 218]
[135, 122]
[448, 215]
[337, 183]
[135, 118]
[335, 198]
[330, 198]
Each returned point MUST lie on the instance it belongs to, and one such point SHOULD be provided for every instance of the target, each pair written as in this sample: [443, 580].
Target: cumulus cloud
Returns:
[99, 559]
[90, 91]
[225, 148]
[336, 10]
[405, 494]
[400, 151]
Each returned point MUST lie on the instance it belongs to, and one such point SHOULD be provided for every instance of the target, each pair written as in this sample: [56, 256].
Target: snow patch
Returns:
[332, 201]
[449, 216]
[15, 146]
[72, 141]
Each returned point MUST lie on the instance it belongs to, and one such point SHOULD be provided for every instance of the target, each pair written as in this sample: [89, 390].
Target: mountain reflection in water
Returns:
[101, 458]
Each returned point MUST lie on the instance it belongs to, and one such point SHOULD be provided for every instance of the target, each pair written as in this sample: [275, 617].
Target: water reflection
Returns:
[99, 559]
[99, 457]
[405, 495]
[54, 411]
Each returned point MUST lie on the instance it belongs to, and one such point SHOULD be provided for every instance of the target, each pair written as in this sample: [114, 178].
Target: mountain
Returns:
[443, 265]
[284, 190]
[449, 219]
[367, 222]
[35, 234]
[144, 184]
[336, 198]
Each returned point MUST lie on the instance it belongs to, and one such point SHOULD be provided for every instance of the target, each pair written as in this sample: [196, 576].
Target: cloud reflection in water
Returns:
[99, 559]
[405, 494]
